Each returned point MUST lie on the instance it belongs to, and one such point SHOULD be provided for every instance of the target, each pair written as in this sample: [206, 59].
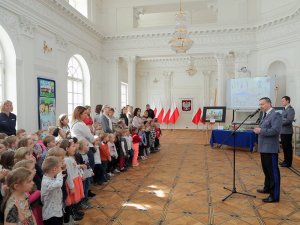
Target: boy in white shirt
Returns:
[51, 193]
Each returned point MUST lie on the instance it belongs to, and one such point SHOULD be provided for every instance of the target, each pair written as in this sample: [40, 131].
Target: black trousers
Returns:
[269, 162]
[54, 221]
[286, 142]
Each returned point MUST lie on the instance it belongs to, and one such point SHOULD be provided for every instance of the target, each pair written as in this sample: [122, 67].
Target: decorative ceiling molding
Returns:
[73, 14]
[67, 10]
[208, 31]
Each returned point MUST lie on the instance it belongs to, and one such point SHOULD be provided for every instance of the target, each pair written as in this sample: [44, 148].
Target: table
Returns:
[243, 139]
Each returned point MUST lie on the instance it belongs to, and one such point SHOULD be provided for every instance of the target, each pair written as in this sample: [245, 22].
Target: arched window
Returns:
[75, 85]
[1, 74]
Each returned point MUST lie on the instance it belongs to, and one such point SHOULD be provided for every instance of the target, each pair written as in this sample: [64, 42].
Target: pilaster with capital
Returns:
[206, 91]
[221, 82]
[131, 62]
[114, 86]
[167, 75]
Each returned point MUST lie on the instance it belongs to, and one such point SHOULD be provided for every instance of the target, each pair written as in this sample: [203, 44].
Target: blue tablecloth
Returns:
[243, 139]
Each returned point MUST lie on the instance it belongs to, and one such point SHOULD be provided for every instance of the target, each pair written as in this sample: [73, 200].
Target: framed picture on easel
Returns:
[214, 113]
[46, 103]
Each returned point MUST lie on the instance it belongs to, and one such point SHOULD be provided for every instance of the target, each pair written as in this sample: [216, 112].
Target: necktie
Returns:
[265, 114]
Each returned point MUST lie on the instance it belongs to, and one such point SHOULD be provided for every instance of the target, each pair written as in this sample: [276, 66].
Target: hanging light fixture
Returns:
[191, 69]
[180, 41]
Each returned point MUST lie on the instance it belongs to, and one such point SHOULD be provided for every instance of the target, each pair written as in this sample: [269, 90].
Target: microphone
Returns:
[253, 114]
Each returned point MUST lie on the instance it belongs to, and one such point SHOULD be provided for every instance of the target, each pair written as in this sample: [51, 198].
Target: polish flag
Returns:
[174, 113]
[202, 119]
[167, 114]
[197, 116]
[159, 113]
[154, 109]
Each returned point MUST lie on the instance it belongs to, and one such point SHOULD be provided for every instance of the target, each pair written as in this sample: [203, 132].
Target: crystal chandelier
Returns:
[180, 41]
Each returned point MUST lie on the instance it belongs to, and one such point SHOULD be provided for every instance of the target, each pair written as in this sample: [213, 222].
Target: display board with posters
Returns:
[47, 103]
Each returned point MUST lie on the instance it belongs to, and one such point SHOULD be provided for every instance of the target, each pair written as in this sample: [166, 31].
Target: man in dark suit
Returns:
[150, 112]
[268, 146]
[286, 134]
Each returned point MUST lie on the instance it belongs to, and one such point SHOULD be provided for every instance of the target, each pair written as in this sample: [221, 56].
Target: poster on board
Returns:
[47, 103]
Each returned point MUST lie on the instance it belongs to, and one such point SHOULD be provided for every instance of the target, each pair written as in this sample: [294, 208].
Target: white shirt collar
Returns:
[287, 106]
[269, 110]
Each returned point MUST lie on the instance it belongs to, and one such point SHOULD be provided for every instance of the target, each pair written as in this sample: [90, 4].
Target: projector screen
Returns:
[244, 93]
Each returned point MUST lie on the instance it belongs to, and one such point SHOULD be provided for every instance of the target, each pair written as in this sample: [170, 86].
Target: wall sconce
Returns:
[46, 48]
[155, 80]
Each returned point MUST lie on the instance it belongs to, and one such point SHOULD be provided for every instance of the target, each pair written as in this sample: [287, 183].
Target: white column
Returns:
[114, 86]
[206, 91]
[167, 85]
[240, 64]
[131, 61]
[221, 81]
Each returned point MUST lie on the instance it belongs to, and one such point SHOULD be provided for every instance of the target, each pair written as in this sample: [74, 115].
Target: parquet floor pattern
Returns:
[183, 185]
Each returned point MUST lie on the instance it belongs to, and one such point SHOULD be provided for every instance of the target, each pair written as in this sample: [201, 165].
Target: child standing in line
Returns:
[60, 153]
[136, 139]
[87, 173]
[74, 184]
[157, 135]
[15, 203]
[49, 142]
[112, 165]
[51, 193]
[128, 162]
[147, 133]
[123, 150]
[34, 196]
[104, 153]
[143, 143]
[99, 177]
[152, 136]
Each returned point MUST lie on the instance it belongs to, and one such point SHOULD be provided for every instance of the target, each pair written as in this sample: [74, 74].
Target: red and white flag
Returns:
[174, 113]
[159, 113]
[197, 116]
[167, 110]
[154, 108]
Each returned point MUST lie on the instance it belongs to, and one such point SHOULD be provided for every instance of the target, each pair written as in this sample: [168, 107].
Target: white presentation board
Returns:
[244, 93]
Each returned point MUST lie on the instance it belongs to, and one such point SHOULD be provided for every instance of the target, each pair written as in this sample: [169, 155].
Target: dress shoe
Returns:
[285, 165]
[270, 200]
[263, 191]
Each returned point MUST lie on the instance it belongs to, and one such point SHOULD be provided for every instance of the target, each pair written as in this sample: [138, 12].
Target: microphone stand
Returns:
[233, 190]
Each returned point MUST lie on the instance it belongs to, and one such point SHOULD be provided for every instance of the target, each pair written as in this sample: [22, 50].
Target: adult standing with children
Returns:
[105, 120]
[150, 111]
[82, 132]
[7, 119]
[137, 120]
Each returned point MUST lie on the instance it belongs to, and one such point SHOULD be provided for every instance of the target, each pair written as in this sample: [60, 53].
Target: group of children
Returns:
[46, 180]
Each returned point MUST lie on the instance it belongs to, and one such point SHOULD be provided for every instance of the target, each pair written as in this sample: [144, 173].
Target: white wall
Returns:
[29, 27]
[241, 28]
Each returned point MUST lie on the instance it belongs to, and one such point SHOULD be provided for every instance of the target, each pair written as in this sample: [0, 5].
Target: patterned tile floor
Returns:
[183, 185]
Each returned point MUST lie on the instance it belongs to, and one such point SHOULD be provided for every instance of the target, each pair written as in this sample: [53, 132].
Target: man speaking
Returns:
[268, 146]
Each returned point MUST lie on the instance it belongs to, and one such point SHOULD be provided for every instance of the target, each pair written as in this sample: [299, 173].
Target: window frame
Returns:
[73, 79]
[125, 85]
